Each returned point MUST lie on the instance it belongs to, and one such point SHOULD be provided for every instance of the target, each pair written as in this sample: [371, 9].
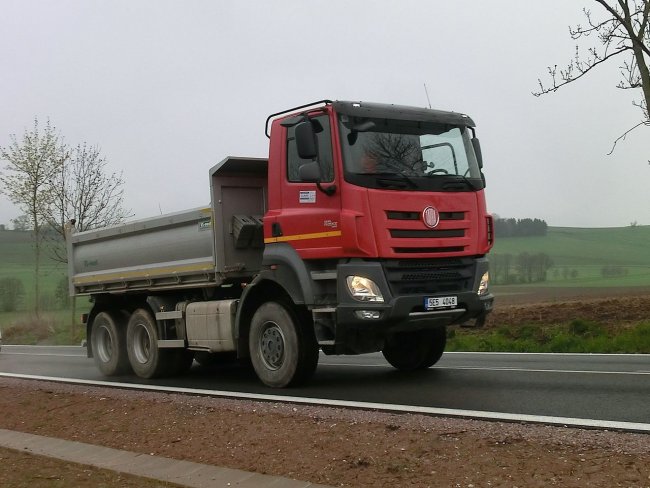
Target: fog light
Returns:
[483, 286]
[368, 314]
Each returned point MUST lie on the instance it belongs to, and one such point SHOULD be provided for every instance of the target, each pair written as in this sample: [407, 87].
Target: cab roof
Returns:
[401, 112]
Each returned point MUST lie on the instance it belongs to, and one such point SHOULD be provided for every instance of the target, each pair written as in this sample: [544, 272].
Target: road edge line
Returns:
[385, 407]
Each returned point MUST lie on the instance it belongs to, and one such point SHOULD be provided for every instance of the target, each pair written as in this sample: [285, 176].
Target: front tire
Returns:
[108, 344]
[411, 351]
[147, 360]
[283, 352]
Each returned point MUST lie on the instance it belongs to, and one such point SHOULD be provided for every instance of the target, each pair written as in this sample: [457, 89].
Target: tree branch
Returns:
[627, 25]
[570, 79]
[625, 134]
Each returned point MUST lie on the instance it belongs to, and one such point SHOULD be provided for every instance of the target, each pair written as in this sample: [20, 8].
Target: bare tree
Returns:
[82, 190]
[32, 162]
[622, 32]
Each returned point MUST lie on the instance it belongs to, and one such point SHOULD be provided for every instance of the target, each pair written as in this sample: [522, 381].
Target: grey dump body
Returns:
[201, 247]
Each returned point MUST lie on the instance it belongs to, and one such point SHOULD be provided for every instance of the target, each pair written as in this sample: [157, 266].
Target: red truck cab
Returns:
[377, 227]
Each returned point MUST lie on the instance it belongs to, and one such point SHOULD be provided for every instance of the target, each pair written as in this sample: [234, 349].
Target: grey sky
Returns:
[167, 89]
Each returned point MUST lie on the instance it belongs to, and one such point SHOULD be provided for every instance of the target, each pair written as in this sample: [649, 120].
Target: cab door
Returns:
[309, 218]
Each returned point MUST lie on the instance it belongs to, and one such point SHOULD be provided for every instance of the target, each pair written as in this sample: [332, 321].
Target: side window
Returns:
[324, 142]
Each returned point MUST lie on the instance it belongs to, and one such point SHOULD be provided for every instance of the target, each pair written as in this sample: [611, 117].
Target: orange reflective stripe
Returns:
[300, 237]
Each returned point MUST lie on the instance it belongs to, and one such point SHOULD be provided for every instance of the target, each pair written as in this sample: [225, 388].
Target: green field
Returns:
[587, 251]
[17, 261]
[55, 318]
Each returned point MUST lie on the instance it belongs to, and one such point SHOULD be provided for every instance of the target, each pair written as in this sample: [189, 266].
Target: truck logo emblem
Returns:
[430, 217]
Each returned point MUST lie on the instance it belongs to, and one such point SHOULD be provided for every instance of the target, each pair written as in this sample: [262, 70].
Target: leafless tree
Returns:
[83, 191]
[32, 162]
[621, 30]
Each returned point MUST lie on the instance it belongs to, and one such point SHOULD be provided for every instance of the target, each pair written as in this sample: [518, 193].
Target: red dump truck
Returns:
[365, 230]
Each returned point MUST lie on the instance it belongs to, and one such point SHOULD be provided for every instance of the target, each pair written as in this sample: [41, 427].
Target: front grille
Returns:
[432, 250]
[429, 276]
[408, 234]
[397, 215]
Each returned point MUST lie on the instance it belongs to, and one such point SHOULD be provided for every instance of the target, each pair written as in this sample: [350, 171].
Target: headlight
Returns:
[363, 289]
[485, 282]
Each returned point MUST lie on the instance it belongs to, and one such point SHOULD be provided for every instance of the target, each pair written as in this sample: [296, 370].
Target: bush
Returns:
[612, 271]
[12, 293]
[62, 294]
[29, 331]
[586, 328]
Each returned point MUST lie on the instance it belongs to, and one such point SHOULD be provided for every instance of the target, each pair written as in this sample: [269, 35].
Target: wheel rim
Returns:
[272, 346]
[141, 344]
[104, 344]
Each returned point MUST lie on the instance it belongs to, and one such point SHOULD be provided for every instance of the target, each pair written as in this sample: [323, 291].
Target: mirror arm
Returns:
[328, 190]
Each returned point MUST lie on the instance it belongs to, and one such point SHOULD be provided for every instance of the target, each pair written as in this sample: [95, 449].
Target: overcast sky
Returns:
[168, 89]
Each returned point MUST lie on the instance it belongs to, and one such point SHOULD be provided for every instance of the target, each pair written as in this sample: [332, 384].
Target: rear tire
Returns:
[108, 344]
[147, 360]
[282, 351]
[411, 351]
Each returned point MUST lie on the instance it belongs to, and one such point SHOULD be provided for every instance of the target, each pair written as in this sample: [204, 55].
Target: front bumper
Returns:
[364, 326]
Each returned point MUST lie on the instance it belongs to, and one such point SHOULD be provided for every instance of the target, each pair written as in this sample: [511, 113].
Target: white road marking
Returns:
[443, 412]
[492, 368]
[42, 354]
[524, 370]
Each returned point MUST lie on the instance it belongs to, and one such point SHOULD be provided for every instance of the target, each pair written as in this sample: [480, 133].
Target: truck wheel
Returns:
[282, 352]
[146, 359]
[108, 343]
[410, 351]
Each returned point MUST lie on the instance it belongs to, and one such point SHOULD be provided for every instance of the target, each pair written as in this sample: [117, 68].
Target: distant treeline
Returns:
[523, 268]
[520, 227]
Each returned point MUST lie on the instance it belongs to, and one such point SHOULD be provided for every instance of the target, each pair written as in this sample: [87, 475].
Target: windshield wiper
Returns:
[461, 183]
[390, 179]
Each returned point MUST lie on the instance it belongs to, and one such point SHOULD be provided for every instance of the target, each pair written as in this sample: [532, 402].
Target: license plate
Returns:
[431, 303]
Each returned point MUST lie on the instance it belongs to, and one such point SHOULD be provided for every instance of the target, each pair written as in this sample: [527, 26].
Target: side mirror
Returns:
[306, 140]
[309, 172]
[477, 150]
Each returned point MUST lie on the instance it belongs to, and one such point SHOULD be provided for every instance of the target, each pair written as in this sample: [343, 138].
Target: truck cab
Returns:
[377, 228]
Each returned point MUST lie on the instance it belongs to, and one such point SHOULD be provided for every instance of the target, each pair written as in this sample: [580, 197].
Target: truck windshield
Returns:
[408, 155]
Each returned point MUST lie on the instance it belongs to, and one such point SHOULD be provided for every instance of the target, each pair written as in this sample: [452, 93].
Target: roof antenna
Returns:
[427, 94]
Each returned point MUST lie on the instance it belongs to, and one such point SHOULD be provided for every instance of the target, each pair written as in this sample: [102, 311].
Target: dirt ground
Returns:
[341, 447]
[540, 305]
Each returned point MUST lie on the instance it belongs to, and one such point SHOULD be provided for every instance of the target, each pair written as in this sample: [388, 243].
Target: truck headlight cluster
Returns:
[485, 282]
[364, 289]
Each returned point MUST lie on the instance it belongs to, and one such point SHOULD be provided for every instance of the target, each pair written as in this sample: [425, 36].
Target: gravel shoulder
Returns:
[326, 445]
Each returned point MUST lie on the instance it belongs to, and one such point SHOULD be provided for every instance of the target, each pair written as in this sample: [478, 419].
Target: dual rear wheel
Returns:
[122, 344]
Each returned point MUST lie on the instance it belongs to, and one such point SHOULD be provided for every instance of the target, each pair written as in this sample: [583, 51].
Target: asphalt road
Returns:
[598, 387]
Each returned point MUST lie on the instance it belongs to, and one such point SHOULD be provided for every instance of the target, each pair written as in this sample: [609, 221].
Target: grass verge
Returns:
[49, 328]
[577, 336]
